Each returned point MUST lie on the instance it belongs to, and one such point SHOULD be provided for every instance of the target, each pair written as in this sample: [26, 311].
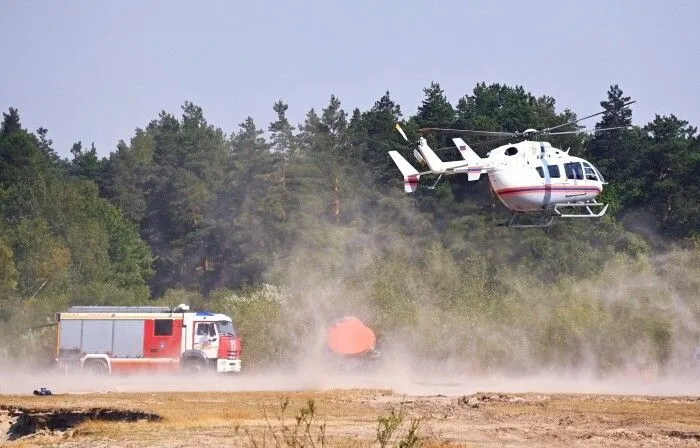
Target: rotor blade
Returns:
[454, 148]
[491, 142]
[468, 131]
[584, 118]
[403, 134]
[586, 131]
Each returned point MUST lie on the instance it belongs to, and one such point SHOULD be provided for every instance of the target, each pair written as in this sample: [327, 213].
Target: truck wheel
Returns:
[96, 367]
[194, 366]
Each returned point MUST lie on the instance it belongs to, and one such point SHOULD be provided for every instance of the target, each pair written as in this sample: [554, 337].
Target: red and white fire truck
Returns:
[115, 339]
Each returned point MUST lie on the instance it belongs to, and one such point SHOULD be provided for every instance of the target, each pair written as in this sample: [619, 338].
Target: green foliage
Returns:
[435, 110]
[655, 168]
[25, 328]
[181, 184]
[60, 242]
[8, 271]
[108, 294]
[174, 297]
[129, 255]
[85, 164]
[372, 135]
[128, 172]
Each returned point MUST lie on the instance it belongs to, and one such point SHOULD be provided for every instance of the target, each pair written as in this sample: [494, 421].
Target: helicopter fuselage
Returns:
[533, 176]
[527, 177]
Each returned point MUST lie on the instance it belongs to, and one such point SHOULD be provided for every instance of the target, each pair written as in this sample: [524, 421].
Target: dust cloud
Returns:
[14, 382]
[633, 329]
[456, 365]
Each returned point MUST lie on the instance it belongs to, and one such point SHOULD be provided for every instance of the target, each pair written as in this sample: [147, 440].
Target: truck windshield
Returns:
[225, 327]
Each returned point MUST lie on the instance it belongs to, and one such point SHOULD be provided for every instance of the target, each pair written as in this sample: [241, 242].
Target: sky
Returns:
[95, 71]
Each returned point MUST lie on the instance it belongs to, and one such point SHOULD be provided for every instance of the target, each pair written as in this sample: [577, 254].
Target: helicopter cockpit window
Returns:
[511, 151]
[589, 172]
[553, 171]
[540, 171]
[600, 176]
[573, 170]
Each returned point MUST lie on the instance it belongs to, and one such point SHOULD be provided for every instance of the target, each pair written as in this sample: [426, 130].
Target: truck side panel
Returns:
[128, 339]
[162, 338]
[70, 334]
[97, 336]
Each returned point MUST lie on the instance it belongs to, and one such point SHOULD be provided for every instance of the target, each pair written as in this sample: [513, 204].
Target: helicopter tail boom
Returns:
[433, 161]
[411, 176]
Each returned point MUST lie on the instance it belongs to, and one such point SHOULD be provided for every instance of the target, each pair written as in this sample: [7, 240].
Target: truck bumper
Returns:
[228, 365]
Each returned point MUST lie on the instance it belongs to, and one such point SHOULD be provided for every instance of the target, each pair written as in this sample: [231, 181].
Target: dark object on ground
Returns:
[42, 391]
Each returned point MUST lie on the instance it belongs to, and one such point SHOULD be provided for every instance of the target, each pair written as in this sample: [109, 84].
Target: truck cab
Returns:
[213, 337]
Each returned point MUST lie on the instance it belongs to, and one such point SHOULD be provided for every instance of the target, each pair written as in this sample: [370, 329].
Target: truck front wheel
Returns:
[96, 367]
[194, 366]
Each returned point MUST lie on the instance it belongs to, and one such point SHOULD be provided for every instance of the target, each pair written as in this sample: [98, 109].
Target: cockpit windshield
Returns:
[225, 327]
[600, 176]
[591, 172]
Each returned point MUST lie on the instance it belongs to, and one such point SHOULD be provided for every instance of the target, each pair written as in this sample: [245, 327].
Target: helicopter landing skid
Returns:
[546, 217]
[585, 213]
[543, 219]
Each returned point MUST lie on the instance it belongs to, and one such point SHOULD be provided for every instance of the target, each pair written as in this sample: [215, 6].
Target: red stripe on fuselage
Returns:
[548, 188]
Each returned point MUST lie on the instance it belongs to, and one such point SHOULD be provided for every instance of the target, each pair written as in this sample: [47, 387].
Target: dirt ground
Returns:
[250, 411]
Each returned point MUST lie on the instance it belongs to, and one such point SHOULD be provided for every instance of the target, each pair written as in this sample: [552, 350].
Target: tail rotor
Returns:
[403, 134]
[416, 153]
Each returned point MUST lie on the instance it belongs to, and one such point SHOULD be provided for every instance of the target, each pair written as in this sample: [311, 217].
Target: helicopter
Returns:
[533, 179]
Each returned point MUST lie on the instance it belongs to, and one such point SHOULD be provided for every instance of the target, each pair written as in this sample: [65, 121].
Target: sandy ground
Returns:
[243, 410]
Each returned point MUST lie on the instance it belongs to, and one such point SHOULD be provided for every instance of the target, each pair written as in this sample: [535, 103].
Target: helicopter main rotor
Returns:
[528, 133]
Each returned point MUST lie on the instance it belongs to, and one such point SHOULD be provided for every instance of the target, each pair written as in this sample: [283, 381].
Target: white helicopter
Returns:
[531, 178]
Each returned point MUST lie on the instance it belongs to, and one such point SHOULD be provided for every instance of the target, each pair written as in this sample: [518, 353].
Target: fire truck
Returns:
[116, 339]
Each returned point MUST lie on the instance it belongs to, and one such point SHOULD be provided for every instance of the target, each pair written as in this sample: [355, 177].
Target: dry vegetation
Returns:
[350, 418]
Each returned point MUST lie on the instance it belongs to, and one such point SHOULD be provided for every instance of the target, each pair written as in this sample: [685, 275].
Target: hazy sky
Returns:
[96, 70]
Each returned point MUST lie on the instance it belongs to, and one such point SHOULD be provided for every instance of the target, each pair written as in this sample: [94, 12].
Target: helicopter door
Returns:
[574, 177]
[574, 172]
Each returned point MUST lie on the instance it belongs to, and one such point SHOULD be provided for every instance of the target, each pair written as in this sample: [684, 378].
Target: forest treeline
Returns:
[182, 211]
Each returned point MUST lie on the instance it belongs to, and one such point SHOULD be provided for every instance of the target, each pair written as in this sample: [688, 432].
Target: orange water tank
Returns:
[349, 336]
